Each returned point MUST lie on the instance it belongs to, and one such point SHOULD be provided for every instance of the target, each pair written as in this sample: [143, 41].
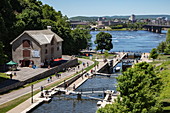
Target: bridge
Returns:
[155, 28]
[118, 59]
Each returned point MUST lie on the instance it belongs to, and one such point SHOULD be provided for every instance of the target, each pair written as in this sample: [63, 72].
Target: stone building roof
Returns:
[41, 36]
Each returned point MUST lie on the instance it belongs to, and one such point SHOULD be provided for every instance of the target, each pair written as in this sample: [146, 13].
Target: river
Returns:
[135, 41]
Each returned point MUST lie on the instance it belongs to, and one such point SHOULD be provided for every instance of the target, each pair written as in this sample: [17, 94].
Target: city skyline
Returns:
[73, 8]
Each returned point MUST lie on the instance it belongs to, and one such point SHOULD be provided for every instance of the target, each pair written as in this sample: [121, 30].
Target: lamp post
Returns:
[32, 93]
[95, 66]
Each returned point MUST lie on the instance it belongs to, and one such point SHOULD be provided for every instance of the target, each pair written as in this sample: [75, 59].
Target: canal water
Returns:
[70, 104]
[135, 41]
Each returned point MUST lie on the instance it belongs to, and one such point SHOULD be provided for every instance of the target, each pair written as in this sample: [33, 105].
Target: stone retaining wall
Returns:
[71, 80]
[51, 71]
[104, 69]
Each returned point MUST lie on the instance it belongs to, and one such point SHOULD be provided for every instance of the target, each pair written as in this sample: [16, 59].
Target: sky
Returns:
[73, 8]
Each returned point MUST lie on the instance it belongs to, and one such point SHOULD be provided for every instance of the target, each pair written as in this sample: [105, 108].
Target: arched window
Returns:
[26, 43]
[26, 53]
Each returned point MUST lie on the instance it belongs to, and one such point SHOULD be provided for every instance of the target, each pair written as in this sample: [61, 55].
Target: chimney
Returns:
[49, 28]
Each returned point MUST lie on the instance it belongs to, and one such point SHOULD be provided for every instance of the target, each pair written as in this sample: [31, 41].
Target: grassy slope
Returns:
[163, 71]
[3, 77]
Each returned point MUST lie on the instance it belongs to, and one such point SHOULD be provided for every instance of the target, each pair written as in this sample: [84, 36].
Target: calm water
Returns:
[69, 103]
[135, 41]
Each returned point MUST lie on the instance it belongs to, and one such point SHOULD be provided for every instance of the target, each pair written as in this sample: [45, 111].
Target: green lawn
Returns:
[164, 57]
[3, 76]
[163, 71]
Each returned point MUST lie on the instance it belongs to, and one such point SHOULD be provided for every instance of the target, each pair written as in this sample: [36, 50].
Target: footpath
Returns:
[27, 105]
[20, 92]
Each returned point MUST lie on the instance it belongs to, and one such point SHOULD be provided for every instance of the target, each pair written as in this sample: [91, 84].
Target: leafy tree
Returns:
[168, 37]
[3, 57]
[167, 49]
[106, 54]
[81, 38]
[19, 15]
[161, 47]
[139, 89]
[153, 53]
[103, 41]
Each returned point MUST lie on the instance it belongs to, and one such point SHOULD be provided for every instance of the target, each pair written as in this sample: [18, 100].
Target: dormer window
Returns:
[26, 43]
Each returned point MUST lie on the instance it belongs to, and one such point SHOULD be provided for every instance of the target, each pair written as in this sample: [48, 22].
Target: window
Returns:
[58, 48]
[26, 43]
[26, 53]
[52, 50]
[46, 51]
[45, 45]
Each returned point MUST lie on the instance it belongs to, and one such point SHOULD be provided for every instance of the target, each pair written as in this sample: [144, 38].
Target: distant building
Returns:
[109, 23]
[36, 47]
[161, 20]
[74, 24]
[100, 19]
[132, 18]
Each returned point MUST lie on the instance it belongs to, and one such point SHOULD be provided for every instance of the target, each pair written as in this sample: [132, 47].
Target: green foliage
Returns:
[3, 57]
[153, 53]
[168, 37]
[19, 15]
[103, 41]
[164, 47]
[117, 27]
[167, 49]
[81, 38]
[106, 54]
[161, 47]
[139, 89]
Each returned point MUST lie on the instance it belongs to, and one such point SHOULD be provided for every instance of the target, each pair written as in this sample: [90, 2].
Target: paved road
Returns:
[15, 94]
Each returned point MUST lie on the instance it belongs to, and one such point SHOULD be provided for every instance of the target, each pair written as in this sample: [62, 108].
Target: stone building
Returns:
[37, 47]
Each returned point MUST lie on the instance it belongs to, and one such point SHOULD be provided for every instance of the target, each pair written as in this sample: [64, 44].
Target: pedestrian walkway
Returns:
[28, 105]
[20, 92]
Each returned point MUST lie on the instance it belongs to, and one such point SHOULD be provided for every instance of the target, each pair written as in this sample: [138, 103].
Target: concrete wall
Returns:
[41, 75]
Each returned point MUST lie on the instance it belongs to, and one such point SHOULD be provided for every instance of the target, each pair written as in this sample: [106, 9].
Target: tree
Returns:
[168, 37]
[161, 47]
[139, 89]
[81, 38]
[3, 57]
[167, 49]
[103, 41]
[106, 54]
[19, 15]
[153, 53]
